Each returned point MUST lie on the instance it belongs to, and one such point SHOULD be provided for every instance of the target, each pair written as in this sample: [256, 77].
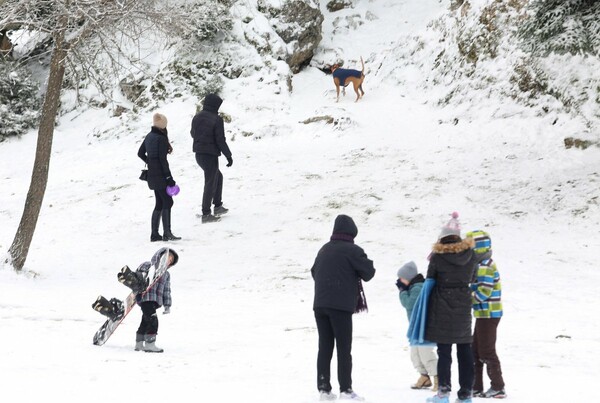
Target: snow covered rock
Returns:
[298, 23]
[337, 5]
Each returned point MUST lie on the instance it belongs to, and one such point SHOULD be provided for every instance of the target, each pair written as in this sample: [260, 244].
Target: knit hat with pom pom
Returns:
[452, 227]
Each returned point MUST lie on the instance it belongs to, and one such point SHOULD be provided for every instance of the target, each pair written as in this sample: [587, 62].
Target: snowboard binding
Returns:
[132, 279]
[112, 309]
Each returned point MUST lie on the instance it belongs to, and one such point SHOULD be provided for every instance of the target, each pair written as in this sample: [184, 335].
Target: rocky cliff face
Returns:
[298, 23]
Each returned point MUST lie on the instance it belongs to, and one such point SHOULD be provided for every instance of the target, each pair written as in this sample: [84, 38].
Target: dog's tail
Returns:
[363, 65]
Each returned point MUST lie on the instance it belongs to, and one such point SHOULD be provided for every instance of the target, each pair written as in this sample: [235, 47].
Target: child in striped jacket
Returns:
[487, 309]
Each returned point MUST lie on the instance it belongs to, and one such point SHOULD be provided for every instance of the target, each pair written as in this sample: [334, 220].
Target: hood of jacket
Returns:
[345, 225]
[416, 280]
[454, 252]
[156, 257]
[212, 103]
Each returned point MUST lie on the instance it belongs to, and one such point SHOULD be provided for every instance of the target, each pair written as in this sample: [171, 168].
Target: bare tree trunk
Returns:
[39, 177]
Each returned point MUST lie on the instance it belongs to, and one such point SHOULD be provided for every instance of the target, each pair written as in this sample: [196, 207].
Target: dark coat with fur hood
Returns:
[449, 311]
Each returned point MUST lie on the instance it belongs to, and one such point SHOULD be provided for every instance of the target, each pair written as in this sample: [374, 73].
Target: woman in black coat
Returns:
[449, 313]
[337, 271]
[153, 151]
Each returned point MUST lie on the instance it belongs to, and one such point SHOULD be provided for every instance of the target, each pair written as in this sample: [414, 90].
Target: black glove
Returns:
[170, 182]
[229, 161]
[401, 286]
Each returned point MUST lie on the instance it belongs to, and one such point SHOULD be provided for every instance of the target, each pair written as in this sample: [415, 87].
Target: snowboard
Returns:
[155, 272]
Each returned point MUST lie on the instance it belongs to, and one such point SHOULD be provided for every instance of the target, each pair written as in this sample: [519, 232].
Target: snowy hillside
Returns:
[242, 327]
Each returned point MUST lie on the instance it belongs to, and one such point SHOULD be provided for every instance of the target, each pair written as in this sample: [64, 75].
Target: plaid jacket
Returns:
[160, 292]
[487, 291]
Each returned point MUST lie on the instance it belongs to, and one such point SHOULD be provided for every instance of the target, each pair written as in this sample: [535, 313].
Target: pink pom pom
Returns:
[455, 214]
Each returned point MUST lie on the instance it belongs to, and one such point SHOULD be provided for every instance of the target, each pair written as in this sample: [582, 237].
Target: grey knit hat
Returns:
[408, 271]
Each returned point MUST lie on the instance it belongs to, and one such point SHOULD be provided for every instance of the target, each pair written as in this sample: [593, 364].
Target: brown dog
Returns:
[344, 77]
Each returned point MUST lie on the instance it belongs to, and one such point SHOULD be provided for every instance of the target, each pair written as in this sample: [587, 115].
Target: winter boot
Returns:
[423, 382]
[327, 396]
[208, 218]
[496, 394]
[167, 234]
[435, 384]
[220, 210]
[139, 342]
[351, 395]
[149, 346]
[439, 398]
[155, 236]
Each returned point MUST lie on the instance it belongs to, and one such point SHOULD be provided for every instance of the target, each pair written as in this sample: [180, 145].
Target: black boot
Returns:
[220, 210]
[155, 236]
[167, 234]
[208, 218]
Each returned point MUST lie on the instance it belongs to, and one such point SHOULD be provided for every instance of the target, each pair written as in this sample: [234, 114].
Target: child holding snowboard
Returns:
[150, 298]
[158, 295]
[424, 358]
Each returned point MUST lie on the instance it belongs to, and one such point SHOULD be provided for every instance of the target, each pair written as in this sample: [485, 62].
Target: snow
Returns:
[241, 327]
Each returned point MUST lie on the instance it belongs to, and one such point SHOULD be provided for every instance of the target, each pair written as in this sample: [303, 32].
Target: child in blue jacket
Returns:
[424, 358]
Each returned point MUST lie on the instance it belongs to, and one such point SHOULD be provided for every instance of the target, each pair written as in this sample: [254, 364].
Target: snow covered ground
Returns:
[241, 327]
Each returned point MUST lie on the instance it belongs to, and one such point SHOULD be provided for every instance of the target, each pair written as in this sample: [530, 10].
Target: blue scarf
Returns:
[418, 318]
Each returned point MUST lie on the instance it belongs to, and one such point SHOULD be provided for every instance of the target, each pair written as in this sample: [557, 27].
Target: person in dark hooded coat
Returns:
[208, 133]
[153, 151]
[337, 271]
[452, 264]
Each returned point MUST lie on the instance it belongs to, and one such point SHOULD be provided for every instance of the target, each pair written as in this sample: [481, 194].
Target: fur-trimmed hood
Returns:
[457, 247]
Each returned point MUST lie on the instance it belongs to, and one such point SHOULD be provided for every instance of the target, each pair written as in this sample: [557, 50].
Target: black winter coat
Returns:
[449, 311]
[338, 267]
[208, 130]
[153, 151]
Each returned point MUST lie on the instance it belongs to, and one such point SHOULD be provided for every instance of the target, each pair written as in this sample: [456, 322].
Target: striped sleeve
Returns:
[486, 277]
[487, 291]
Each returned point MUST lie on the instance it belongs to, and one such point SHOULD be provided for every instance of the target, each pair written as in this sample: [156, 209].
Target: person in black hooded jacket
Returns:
[452, 264]
[153, 152]
[208, 133]
[337, 271]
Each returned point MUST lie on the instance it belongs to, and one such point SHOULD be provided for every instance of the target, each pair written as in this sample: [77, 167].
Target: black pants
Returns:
[163, 200]
[213, 181]
[335, 328]
[149, 323]
[464, 354]
[484, 352]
